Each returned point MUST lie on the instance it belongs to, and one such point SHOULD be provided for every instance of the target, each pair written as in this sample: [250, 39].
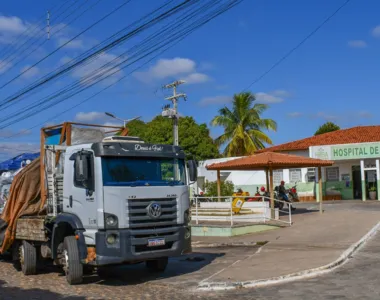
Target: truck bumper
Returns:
[133, 247]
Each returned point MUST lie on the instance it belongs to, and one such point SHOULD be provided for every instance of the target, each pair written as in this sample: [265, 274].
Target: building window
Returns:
[278, 176]
[310, 175]
[332, 174]
[295, 175]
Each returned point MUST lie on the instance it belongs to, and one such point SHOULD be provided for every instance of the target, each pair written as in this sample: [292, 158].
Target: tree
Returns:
[243, 126]
[193, 138]
[327, 127]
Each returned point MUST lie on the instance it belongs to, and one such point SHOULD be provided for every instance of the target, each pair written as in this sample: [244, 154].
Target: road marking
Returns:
[220, 271]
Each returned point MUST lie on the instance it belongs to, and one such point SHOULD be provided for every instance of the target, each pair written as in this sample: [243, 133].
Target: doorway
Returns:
[357, 182]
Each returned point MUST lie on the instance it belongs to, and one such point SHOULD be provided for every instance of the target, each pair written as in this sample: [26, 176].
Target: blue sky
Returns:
[334, 76]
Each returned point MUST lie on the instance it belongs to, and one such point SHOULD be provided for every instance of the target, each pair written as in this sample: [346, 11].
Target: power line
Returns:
[13, 52]
[45, 40]
[174, 39]
[283, 58]
[88, 80]
[25, 32]
[98, 52]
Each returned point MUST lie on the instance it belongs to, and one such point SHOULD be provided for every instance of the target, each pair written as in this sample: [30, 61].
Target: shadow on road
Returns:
[7, 292]
[137, 274]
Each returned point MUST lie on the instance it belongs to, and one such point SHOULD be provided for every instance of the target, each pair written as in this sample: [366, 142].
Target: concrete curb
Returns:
[212, 286]
[217, 245]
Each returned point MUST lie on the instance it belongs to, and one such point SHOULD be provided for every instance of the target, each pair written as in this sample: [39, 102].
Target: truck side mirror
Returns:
[81, 167]
[193, 170]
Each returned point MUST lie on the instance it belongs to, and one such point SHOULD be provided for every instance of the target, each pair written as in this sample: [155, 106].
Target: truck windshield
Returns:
[142, 171]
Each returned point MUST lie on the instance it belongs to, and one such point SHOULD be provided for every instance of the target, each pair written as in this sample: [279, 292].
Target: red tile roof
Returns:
[361, 134]
[263, 161]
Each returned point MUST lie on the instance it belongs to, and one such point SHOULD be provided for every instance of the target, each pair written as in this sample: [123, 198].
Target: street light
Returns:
[125, 122]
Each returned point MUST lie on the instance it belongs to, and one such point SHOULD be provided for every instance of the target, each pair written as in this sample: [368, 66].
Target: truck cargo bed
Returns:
[31, 228]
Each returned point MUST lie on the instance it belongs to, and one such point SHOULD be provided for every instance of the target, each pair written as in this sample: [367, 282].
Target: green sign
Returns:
[355, 151]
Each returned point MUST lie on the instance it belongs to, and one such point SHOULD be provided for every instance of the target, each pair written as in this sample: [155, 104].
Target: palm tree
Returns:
[243, 126]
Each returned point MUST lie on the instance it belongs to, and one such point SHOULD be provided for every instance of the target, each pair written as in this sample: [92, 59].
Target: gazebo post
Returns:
[320, 189]
[271, 192]
[218, 184]
[267, 178]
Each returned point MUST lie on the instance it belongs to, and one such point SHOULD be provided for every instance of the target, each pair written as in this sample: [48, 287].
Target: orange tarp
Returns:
[24, 200]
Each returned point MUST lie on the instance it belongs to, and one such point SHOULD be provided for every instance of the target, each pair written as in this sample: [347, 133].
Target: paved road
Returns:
[357, 279]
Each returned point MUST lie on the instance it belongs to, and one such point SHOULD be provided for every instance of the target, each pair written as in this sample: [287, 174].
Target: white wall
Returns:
[243, 177]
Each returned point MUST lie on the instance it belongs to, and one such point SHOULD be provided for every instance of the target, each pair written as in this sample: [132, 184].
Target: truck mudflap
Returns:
[130, 247]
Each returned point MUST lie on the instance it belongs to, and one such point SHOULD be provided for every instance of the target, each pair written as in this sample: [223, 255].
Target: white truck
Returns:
[116, 201]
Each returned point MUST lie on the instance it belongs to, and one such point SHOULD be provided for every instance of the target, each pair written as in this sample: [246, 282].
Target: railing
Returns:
[268, 214]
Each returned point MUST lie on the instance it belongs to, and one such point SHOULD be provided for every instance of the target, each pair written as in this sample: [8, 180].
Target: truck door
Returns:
[79, 197]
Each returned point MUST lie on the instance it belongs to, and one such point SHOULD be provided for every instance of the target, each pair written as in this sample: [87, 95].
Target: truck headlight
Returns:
[111, 220]
[111, 239]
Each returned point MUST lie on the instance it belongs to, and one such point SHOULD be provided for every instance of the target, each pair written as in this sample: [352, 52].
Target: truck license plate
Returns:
[156, 242]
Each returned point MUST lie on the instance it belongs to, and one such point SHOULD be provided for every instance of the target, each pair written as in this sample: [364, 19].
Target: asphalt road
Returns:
[357, 279]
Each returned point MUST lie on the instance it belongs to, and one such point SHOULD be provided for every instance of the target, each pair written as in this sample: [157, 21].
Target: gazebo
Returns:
[269, 161]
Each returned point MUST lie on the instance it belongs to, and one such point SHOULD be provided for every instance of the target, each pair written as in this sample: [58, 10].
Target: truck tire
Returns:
[157, 265]
[72, 265]
[28, 258]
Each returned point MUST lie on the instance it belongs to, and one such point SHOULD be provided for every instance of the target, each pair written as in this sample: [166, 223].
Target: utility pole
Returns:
[173, 112]
[48, 25]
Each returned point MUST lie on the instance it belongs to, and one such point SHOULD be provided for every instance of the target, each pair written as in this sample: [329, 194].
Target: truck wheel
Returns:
[28, 258]
[72, 265]
[157, 265]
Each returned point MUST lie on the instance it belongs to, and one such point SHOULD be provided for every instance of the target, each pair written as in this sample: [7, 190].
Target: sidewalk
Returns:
[313, 241]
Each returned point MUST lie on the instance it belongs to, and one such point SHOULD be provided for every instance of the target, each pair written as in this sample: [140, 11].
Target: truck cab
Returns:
[130, 198]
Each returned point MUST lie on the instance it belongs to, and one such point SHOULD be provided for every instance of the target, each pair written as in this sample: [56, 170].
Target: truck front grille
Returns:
[139, 218]
[143, 227]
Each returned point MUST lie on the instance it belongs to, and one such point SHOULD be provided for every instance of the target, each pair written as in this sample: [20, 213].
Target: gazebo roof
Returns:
[266, 160]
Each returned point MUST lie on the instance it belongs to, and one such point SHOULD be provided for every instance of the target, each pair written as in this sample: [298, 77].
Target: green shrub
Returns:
[227, 188]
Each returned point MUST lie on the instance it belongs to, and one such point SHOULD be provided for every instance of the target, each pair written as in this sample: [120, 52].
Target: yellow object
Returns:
[237, 202]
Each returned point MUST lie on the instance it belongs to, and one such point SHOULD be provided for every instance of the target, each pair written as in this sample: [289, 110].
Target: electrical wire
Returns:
[10, 47]
[303, 41]
[45, 40]
[105, 71]
[177, 38]
[96, 53]
[13, 51]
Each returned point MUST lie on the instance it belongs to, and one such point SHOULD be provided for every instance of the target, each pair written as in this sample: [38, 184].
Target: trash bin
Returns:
[238, 202]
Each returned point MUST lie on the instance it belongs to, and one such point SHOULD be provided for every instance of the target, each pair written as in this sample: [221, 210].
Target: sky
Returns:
[333, 76]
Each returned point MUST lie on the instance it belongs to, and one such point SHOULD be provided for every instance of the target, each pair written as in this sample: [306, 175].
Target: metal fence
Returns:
[268, 214]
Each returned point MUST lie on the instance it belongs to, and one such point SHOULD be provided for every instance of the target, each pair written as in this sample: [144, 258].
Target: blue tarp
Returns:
[15, 162]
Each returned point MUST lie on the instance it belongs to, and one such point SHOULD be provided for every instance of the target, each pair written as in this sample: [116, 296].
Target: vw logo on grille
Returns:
[154, 210]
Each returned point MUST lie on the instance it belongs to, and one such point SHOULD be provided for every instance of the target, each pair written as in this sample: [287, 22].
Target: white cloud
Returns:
[165, 68]
[5, 133]
[281, 93]
[357, 44]
[14, 149]
[196, 78]
[376, 31]
[12, 25]
[90, 72]
[34, 71]
[4, 66]
[74, 44]
[215, 100]
[365, 114]
[89, 116]
[267, 98]
[327, 117]
[294, 114]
